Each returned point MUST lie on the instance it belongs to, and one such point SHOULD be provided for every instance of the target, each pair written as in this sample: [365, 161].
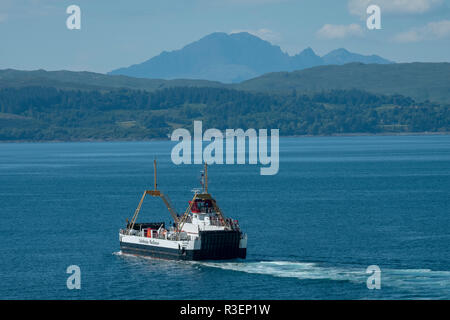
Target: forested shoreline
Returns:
[37, 113]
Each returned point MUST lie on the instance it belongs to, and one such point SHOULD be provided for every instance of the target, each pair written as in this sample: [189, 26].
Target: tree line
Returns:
[46, 113]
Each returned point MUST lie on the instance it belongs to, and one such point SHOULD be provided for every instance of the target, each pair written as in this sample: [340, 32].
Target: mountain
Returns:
[305, 59]
[232, 58]
[342, 56]
[217, 57]
[421, 81]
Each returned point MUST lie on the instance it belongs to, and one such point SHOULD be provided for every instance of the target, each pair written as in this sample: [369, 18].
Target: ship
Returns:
[203, 232]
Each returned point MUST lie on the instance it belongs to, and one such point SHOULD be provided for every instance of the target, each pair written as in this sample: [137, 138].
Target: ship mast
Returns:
[154, 165]
[154, 193]
[206, 178]
[179, 221]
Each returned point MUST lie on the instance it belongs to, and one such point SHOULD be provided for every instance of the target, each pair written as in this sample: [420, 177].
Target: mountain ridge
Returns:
[86, 80]
[421, 81]
[232, 58]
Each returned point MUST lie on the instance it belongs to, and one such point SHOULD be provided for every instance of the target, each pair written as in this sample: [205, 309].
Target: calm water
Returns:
[337, 206]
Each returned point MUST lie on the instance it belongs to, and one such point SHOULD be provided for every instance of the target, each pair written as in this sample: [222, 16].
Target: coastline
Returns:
[362, 134]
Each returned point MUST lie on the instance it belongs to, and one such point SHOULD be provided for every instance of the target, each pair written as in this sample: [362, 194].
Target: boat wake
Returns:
[290, 269]
[413, 283]
[412, 280]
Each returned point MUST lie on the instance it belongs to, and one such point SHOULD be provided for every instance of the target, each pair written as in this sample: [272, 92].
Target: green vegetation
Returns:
[421, 81]
[69, 80]
[34, 113]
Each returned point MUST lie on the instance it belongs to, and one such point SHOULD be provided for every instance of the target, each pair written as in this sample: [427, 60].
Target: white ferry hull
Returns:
[210, 245]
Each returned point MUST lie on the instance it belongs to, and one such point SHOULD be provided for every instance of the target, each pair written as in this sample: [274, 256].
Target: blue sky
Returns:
[119, 33]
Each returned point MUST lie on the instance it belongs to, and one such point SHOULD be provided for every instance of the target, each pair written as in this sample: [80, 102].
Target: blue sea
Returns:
[337, 206]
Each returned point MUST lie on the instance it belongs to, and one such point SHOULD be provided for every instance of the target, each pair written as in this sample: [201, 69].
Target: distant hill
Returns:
[232, 58]
[90, 81]
[343, 56]
[421, 81]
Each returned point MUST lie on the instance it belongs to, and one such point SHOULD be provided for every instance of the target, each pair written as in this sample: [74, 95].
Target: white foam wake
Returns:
[417, 282]
[413, 280]
[290, 269]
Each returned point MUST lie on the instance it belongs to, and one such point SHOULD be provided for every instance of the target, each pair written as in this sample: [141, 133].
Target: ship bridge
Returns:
[205, 215]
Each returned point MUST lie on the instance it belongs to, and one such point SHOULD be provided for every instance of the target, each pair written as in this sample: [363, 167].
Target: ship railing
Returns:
[215, 222]
[162, 236]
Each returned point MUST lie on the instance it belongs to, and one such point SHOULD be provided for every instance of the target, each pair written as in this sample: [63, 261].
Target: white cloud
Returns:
[359, 7]
[263, 33]
[330, 31]
[432, 31]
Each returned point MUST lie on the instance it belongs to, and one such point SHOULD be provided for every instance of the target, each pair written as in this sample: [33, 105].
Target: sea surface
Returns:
[337, 206]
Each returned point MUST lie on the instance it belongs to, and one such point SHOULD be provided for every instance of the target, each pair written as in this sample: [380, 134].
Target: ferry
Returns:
[203, 232]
